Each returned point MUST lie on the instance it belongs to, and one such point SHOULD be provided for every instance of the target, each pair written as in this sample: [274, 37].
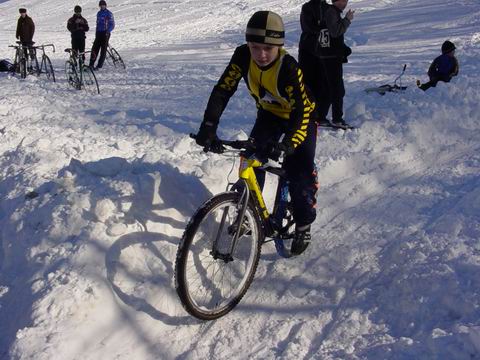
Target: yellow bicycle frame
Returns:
[247, 173]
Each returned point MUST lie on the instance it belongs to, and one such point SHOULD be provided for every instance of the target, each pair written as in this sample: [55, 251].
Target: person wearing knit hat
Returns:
[322, 52]
[105, 26]
[284, 108]
[78, 26]
[443, 68]
[25, 27]
[265, 27]
[25, 31]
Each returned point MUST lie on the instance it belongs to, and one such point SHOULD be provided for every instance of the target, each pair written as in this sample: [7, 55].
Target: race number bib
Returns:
[324, 38]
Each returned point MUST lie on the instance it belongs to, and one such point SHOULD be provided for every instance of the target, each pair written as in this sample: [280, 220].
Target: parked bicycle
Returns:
[45, 63]
[79, 75]
[21, 59]
[219, 252]
[26, 61]
[114, 58]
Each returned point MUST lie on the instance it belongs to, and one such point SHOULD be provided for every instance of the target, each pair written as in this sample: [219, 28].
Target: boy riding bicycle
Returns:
[275, 81]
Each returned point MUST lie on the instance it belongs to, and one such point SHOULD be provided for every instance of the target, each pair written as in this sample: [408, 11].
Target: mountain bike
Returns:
[79, 75]
[219, 251]
[114, 58]
[45, 63]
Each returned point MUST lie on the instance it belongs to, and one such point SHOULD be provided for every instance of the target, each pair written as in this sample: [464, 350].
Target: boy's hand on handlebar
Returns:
[208, 140]
[276, 150]
[206, 135]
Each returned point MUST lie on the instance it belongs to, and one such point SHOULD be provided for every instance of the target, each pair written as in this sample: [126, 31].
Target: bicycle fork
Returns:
[234, 229]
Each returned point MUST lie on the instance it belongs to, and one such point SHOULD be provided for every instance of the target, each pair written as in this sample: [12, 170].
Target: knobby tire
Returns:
[207, 287]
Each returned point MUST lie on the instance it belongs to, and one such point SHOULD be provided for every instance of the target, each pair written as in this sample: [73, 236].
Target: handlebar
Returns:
[44, 46]
[218, 145]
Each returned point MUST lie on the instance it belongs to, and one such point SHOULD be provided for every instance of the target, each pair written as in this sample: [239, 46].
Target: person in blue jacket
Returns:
[443, 68]
[105, 25]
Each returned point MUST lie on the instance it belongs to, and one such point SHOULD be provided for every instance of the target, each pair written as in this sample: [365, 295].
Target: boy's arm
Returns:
[301, 105]
[111, 23]
[33, 28]
[70, 25]
[335, 24]
[307, 19]
[456, 67]
[224, 89]
[432, 70]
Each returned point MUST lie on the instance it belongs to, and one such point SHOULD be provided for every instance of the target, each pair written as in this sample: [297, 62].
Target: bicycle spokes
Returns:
[213, 270]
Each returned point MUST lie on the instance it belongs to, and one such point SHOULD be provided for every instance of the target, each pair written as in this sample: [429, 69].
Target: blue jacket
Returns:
[105, 21]
[443, 66]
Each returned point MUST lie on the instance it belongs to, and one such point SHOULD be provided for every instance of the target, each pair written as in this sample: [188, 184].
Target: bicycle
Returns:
[45, 64]
[114, 58]
[23, 61]
[220, 249]
[79, 75]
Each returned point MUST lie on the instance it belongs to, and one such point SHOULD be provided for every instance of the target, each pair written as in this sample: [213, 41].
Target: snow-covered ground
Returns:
[95, 192]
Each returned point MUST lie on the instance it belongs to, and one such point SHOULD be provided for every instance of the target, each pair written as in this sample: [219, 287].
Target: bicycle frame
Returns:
[21, 59]
[272, 225]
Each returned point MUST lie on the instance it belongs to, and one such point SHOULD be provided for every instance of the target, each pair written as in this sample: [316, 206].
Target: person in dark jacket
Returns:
[78, 26]
[443, 68]
[275, 81]
[105, 25]
[25, 31]
[322, 52]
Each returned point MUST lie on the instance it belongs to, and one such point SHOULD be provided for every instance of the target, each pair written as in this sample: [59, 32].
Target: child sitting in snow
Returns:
[443, 68]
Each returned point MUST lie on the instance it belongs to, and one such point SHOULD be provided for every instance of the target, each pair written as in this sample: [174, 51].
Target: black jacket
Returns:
[25, 29]
[323, 30]
[78, 26]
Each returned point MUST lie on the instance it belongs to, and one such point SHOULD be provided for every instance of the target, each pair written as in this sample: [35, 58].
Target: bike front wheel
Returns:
[48, 68]
[22, 68]
[89, 81]
[212, 275]
[71, 74]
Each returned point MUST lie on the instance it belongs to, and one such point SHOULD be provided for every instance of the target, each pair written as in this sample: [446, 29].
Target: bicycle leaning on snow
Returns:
[219, 251]
[114, 58]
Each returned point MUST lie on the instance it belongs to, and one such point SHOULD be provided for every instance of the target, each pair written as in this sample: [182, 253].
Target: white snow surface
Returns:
[95, 192]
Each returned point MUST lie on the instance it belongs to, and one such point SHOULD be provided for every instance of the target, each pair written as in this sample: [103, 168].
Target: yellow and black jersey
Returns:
[277, 88]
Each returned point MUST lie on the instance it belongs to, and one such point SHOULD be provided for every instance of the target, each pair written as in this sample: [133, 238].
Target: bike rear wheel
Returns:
[210, 279]
[116, 59]
[89, 81]
[48, 68]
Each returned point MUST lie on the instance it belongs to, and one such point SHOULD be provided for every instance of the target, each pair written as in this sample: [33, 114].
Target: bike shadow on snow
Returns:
[158, 200]
[156, 245]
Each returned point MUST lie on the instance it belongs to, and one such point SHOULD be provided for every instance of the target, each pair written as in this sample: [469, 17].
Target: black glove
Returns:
[275, 150]
[206, 135]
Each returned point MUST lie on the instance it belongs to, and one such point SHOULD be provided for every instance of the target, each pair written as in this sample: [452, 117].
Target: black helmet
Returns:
[77, 9]
[102, 2]
[265, 27]
[447, 47]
